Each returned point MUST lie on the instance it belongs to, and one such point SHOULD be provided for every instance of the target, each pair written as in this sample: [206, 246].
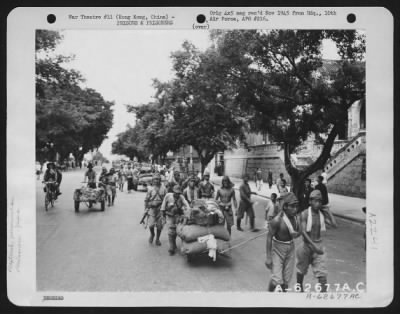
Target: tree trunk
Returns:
[298, 177]
[205, 158]
[203, 166]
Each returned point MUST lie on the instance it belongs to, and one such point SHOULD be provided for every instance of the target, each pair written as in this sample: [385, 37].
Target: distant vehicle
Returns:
[116, 164]
[145, 177]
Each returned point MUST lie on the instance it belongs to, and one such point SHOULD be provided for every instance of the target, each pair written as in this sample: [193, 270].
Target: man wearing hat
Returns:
[206, 188]
[59, 177]
[173, 208]
[152, 204]
[112, 179]
[280, 245]
[311, 251]
[174, 180]
[191, 193]
[129, 178]
[51, 175]
[90, 174]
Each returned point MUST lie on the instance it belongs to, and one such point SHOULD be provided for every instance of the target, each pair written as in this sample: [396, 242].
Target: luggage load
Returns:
[205, 213]
[190, 233]
[203, 230]
[86, 193]
[197, 248]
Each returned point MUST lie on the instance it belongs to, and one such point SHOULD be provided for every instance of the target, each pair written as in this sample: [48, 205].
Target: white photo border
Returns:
[21, 272]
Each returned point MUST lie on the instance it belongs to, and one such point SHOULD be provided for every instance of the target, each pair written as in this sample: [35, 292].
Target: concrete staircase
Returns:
[355, 147]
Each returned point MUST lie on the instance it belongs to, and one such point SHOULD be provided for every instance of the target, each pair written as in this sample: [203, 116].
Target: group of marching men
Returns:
[285, 220]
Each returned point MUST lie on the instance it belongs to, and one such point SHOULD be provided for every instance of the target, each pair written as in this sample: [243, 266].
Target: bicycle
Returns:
[51, 194]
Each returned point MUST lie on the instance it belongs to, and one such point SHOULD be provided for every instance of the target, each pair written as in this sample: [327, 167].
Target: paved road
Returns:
[108, 251]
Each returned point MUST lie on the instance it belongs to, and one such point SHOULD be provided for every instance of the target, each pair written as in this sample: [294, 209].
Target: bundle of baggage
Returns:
[86, 193]
[204, 230]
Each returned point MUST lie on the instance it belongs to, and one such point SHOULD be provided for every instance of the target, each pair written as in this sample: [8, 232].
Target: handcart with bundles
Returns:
[90, 196]
[203, 231]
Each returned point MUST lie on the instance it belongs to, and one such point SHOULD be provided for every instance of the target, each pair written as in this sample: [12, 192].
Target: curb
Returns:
[352, 219]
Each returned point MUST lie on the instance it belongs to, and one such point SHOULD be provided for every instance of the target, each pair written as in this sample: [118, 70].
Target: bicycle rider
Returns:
[51, 176]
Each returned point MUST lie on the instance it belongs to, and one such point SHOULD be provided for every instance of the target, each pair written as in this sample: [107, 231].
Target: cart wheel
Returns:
[103, 205]
[76, 206]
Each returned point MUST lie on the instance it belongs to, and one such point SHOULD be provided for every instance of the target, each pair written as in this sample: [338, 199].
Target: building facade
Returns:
[345, 169]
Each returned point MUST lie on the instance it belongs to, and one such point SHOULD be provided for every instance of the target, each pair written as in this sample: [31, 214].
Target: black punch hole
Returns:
[201, 18]
[351, 18]
[51, 18]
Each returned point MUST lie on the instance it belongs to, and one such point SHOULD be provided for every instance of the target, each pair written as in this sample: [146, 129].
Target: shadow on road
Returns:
[203, 260]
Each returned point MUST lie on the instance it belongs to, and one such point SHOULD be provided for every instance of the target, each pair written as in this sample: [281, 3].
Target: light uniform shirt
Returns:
[169, 204]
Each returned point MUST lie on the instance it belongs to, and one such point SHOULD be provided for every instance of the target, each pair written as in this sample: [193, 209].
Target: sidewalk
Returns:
[342, 206]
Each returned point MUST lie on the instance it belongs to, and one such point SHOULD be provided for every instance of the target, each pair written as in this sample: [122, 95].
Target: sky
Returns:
[120, 65]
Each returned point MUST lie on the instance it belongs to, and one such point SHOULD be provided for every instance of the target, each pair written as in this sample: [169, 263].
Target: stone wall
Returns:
[274, 163]
[349, 180]
[236, 167]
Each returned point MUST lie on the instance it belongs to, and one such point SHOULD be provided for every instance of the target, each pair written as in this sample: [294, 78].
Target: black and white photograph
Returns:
[222, 161]
[205, 163]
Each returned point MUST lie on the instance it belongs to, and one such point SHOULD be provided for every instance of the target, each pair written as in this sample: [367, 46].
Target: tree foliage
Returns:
[291, 91]
[194, 108]
[75, 119]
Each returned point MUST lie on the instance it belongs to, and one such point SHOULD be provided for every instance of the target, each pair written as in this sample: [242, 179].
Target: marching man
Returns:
[311, 251]
[206, 188]
[152, 203]
[191, 193]
[226, 194]
[280, 245]
[172, 208]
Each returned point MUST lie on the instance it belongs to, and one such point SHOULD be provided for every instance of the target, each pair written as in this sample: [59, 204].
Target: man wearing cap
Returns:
[51, 175]
[175, 180]
[103, 177]
[280, 246]
[206, 188]
[59, 177]
[90, 174]
[226, 195]
[129, 178]
[191, 193]
[152, 204]
[112, 179]
[246, 204]
[121, 178]
[173, 208]
[311, 251]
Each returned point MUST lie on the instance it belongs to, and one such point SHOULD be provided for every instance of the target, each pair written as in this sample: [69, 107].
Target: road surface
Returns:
[109, 251]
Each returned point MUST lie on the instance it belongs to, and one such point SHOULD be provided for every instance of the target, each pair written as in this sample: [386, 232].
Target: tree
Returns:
[191, 109]
[291, 91]
[200, 99]
[129, 143]
[75, 119]
[98, 156]
[152, 133]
